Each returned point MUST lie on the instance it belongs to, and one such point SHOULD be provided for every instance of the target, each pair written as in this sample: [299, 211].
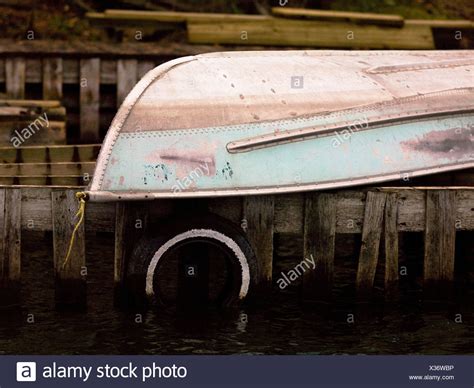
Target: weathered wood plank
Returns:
[15, 70]
[391, 246]
[120, 238]
[70, 275]
[369, 251]
[37, 207]
[50, 154]
[289, 210]
[131, 221]
[34, 70]
[258, 214]
[37, 211]
[3, 271]
[10, 245]
[355, 17]
[89, 99]
[76, 181]
[61, 168]
[52, 78]
[52, 132]
[2, 70]
[449, 24]
[229, 207]
[12, 241]
[127, 74]
[319, 245]
[440, 235]
[108, 71]
[73, 50]
[35, 104]
[144, 67]
[287, 32]
[176, 17]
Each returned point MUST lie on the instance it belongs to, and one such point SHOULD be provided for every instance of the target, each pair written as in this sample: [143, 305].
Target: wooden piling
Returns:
[258, 214]
[89, 99]
[319, 235]
[440, 236]
[391, 247]
[70, 277]
[127, 77]
[144, 67]
[10, 246]
[15, 75]
[369, 251]
[130, 223]
[52, 78]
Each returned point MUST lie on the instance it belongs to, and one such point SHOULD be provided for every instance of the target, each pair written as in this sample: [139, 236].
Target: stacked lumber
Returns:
[290, 27]
[26, 122]
[55, 165]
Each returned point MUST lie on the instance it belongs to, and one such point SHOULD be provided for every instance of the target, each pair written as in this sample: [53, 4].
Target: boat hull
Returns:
[235, 124]
[159, 165]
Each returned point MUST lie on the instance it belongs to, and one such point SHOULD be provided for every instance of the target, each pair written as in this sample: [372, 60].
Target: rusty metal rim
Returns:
[108, 196]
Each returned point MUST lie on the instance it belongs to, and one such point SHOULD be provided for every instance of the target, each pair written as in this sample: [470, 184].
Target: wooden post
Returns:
[10, 246]
[52, 78]
[15, 71]
[369, 251]
[258, 214]
[127, 74]
[440, 236]
[130, 223]
[144, 67]
[319, 245]
[89, 99]
[70, 277]
[391, 247]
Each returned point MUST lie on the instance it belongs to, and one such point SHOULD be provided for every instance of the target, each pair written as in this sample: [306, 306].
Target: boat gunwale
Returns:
[135, 195]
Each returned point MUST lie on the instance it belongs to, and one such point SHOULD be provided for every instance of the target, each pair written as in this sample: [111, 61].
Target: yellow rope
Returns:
[81, 196]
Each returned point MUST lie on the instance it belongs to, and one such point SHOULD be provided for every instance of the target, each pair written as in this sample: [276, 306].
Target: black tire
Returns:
[146, 248]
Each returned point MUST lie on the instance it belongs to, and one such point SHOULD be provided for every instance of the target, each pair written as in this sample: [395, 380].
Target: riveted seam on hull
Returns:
[307, 117]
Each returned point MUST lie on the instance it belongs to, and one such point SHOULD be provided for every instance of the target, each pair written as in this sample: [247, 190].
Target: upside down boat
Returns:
[269, 122]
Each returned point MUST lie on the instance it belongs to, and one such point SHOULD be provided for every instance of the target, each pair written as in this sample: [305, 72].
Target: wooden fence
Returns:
[90, 80]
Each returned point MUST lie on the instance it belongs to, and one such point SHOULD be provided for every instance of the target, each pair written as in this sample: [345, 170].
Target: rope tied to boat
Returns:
[81, 197]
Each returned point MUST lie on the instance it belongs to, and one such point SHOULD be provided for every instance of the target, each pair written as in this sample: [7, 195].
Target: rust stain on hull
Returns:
[454, 143]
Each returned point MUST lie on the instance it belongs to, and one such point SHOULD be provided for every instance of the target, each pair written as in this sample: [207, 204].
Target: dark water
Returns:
[281, 325]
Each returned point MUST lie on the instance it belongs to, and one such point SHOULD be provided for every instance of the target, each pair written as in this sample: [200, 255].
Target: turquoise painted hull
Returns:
[349, 157]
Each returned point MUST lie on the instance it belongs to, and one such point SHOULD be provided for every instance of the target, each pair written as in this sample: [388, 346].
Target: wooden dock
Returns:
[378, 214]
[54, 165]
